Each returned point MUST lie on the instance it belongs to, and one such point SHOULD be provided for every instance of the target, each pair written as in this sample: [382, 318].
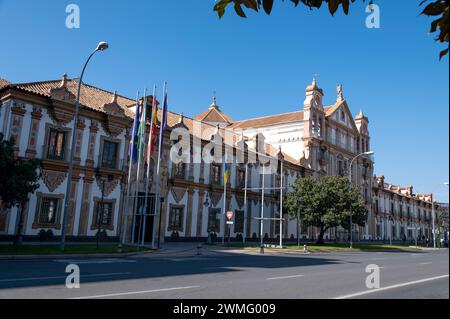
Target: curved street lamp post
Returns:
[102, 46]
[350, 181]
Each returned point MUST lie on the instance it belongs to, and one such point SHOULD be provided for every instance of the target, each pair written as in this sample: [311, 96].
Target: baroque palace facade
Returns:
[316, 140]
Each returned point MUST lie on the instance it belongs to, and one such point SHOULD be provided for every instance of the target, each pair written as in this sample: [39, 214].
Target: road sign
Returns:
[229, 215]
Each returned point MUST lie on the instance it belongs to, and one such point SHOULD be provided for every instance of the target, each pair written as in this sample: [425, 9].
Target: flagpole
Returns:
[143, 127]
[224, 202]
[136, 192]
[158, 167]
[150, 137]
[130, 166]
[245, 203]
[281, 206]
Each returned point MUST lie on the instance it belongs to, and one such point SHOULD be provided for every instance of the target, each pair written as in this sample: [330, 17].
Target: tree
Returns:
[434, 8]
[326, 203]
[18, 179]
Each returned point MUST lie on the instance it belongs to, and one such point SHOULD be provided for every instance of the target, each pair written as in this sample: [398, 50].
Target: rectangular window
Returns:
[240, 178]
[109, 155]
[176, 218]
[56, 145]
[216, 174]
[239, 221]
[49, 211]
[103, 214]
[179, 170]
[214, 220]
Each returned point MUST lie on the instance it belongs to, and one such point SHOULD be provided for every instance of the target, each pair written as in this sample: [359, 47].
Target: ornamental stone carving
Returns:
[53, 179]
[110, 186]
[178, 193]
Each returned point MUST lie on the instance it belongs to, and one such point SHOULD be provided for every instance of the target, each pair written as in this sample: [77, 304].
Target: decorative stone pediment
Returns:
[215, 198]
[60, 115]
[114, 114]
[62, 93]
[53, 179]
[178, 193]
[113, 108]
[109, 185]
[240, 201]
[113, 126]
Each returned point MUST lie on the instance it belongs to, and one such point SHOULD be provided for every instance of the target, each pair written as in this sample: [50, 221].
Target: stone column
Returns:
[72, 204]
[85, 205]
[36, 116]
[79, 140]
[248, 229]
[189, 210]
[93, 129]
[18, 111]
[199, 225]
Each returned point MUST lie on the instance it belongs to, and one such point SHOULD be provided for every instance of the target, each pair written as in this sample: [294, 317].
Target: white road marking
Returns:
[94, 261]
[135, 292]
[284, 277]
[367, 292]
[63, 277]
[428, 263]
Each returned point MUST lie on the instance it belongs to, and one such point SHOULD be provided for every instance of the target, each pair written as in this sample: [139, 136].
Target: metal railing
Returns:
[50, 153]
[117, 164]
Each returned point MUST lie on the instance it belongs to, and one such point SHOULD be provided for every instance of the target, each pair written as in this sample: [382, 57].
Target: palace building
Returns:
[316, 140]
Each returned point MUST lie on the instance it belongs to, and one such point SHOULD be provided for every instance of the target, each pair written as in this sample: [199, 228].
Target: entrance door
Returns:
[147, 233]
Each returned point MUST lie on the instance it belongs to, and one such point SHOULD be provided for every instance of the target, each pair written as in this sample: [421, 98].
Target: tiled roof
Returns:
[90, 97]
[3, 83]
[277, 119]
[207, 130]
[214, 115]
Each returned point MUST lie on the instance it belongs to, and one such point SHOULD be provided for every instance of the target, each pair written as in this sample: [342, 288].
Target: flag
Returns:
[142, 128]
[154, 119]
[134, 135]
[226, 174]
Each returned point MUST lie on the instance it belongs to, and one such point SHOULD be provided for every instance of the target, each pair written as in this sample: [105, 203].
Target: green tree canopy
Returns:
[434, 8]
[18, 176]
[326, 203]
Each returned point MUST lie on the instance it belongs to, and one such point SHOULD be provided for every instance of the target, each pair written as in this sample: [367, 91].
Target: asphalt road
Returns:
[220, 274]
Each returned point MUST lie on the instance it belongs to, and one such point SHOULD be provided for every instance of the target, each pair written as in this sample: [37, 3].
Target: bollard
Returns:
[199, 247]
[119, 249]
[305, 249]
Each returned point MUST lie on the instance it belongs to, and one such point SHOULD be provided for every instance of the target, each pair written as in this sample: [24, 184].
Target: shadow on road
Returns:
[39, 273]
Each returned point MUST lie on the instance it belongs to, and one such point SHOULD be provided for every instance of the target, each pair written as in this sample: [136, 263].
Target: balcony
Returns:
[114, 164]
[51, 153]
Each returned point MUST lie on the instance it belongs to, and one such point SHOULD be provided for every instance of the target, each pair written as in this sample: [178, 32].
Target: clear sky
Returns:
[258, 66]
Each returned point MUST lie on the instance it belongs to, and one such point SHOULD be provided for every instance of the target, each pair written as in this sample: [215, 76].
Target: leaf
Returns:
[239, 11]
[268, 5]
[333, 6]
[345, 6]
[443, 53]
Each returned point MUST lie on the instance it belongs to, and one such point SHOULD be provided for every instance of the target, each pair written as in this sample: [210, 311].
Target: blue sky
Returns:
[258, 66]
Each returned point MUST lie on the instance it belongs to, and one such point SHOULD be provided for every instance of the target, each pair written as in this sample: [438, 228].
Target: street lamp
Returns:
[350, 180]
[207, 205]
[102, 46]
[101, 207]
[299, 230]
[433, 217]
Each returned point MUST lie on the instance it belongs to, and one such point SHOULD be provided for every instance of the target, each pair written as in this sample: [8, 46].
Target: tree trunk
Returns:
[19, 236]
[320, 240]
